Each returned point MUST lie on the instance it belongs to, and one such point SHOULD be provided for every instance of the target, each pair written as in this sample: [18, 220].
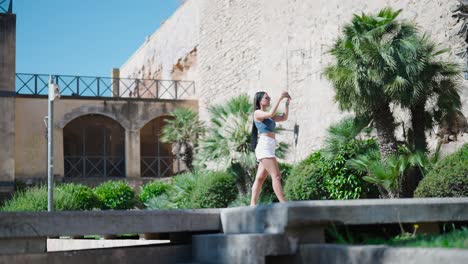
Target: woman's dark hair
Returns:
[254, 135]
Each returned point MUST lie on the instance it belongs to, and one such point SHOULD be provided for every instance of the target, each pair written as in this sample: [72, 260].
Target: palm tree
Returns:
[342, 133]
[183, 131]
[227, 143]
[363, 68]
[416, 76]
[419, 77]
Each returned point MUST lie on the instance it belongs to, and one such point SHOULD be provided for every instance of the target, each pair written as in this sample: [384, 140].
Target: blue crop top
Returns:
[267, 125]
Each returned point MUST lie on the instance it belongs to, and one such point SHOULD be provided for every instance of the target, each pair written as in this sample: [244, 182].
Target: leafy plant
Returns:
[387, 174]
[447, 178]
[153, 189]
[69, 197]
[116, 195]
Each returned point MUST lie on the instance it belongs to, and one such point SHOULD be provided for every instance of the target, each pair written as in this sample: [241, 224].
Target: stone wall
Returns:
[247, 46]
[170, 52]
[7, 101]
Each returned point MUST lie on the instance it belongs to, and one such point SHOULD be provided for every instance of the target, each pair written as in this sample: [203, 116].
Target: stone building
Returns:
[242, 46]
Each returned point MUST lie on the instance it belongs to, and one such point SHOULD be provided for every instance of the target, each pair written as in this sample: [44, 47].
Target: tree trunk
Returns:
[418, 125]
[385, 126]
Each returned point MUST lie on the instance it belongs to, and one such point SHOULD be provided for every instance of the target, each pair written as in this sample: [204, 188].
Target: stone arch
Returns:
[150, 116]
[94, 146]
[89, 110]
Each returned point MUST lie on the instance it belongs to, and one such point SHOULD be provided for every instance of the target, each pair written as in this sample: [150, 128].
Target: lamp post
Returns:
[53, 93]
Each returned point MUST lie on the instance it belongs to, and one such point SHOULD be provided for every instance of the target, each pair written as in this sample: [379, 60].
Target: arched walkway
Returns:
[94, 146]
[157, 159]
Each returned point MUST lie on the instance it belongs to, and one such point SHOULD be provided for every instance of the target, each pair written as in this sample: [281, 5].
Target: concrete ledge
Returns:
[339, 254]
[134, 255]
[242, 248]
[277, 218]
[44, 224]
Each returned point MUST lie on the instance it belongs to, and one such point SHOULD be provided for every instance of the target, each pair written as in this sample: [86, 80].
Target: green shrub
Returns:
[67, 197]
[214, 189]
[73, 196]
[305, 180]
[199, 189]
[115, 195]
[179, 194]
[448, 177]
[342, 182]
[328, 177]
[153, 189]
[33, 199]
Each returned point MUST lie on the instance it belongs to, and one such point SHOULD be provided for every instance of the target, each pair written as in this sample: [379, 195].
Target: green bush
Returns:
[342, 182]
[115, 195]
[67, 197]
[306, 180]
[214, 189]
[73, 196]
[327, 177]
[448, 177]
[33, 199]
[199, 189]
[153, 189]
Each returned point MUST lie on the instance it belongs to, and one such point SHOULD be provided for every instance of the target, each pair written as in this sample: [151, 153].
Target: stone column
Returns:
[7, 102]
[116, 82]
[132, 153]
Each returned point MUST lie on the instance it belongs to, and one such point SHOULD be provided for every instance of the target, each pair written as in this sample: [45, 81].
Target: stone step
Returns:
[241, 248]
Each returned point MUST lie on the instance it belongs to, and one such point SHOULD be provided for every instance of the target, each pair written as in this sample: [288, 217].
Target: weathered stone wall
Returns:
[7, 103]
[170, 52]
[247, 46]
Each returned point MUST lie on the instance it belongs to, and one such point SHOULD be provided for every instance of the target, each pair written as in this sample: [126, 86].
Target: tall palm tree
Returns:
[415, 77]
[363, 68]
[183, 131]
[419, 77]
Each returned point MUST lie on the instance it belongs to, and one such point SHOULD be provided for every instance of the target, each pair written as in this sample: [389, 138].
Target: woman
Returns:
[264, 125]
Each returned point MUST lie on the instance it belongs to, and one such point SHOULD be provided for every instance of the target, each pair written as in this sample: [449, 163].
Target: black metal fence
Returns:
[94, 166]
[6, 6]
[159, 166]
[91, 86]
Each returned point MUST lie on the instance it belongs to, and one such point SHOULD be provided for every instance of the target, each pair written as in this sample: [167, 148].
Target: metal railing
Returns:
[91, 86]
[159, 166]
[6, 6]
[94, 166]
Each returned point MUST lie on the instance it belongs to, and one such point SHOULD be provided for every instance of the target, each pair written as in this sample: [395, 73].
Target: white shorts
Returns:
[265, 147]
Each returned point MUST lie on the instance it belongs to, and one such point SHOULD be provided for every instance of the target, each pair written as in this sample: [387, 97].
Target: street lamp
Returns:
[54, 92]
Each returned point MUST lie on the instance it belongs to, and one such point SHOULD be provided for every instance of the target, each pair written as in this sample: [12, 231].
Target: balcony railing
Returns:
[94, 166]
[6, 6]
[91, 86]
[159, 166]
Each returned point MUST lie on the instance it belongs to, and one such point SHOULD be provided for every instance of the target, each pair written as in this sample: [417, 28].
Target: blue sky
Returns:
[83, 37]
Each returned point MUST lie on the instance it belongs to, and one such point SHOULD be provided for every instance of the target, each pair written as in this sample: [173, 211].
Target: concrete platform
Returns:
[278, 218]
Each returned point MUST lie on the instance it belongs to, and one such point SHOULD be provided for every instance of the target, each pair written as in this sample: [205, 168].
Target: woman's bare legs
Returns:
[271, 166]
[257, 186]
